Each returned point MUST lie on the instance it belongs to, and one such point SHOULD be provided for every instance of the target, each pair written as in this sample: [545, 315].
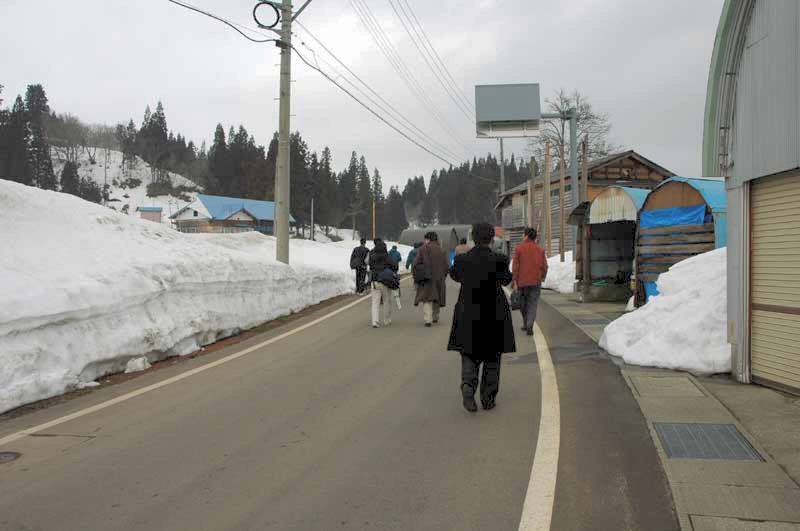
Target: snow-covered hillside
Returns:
[682, 328]
[111, 172]
[84, 289]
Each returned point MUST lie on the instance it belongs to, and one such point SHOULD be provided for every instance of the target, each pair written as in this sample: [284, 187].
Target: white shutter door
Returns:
[775, 281]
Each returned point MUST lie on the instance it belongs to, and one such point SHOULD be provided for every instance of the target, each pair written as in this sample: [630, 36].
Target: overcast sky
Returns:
[643, 62]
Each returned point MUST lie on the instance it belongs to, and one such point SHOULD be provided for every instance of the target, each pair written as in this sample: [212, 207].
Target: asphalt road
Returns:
[339, 426]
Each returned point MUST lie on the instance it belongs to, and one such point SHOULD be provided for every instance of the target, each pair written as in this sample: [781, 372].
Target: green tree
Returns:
[70, 182]
[37, 110]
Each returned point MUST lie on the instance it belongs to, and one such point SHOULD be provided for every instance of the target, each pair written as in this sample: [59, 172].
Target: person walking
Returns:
[463, 247]
[430, 274]
[529, 271]
[358, 262]
[396, 259]
[381, 268]
[412, 255]
[482, 330]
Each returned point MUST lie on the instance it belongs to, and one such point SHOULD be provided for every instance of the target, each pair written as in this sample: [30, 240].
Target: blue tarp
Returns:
[670, 217]
[711, 188]
[650, 289]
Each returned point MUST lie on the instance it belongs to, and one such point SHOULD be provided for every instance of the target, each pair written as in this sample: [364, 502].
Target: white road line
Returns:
[144, 390]
[537, 512]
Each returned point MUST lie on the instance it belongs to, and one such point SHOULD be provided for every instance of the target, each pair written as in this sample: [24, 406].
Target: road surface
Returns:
[338, 426]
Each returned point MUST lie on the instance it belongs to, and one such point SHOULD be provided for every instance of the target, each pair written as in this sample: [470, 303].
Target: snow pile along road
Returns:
[682, 328]
[560, 275]
[84, 289]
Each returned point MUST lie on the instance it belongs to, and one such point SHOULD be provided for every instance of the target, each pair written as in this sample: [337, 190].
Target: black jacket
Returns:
[358, 258]
[482, 324]
[379, 260]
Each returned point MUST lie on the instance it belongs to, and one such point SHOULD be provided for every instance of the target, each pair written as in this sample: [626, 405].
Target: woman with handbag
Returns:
[482, 330]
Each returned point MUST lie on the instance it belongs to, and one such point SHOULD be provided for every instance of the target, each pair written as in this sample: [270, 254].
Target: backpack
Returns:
[389, 278]
[420, 272]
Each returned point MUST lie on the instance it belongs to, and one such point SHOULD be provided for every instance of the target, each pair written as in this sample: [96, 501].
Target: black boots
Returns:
[468, 393]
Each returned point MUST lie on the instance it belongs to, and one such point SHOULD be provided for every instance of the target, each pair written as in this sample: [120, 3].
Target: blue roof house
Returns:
[215, 213]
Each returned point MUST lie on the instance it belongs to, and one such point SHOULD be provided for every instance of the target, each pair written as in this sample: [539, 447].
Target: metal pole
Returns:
[573, 172]
[502, 170]
[282, 173]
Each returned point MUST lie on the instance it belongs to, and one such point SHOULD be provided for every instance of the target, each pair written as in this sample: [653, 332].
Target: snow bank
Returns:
[110, 171]
[348, 245]
[560, 275]
[84, 289]
[682, 328]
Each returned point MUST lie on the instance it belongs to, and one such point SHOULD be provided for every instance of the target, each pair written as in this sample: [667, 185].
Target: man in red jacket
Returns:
[529, 271]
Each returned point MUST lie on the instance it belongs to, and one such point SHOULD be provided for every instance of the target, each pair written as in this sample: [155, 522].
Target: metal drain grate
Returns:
[704, 441]
[7, 457]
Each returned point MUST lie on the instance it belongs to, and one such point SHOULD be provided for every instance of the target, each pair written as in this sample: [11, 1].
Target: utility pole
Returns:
[573, 172]
[561, 191]
[531, 193]
[313, 227]
[282, 173]
[547, 218]
[374, 227]
[502, 170]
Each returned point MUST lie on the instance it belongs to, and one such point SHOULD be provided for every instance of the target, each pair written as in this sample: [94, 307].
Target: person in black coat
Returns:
[358, 262]
[482, 329]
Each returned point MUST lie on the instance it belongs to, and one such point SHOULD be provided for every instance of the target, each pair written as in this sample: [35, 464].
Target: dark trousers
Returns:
[529, 303]
[361, 275]
[490, 377]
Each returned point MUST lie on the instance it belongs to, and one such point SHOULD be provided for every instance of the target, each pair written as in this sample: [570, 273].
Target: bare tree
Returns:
[67, 135]
[592, 125]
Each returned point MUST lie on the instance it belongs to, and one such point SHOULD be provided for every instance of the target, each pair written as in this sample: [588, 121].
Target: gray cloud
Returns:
[643, 63]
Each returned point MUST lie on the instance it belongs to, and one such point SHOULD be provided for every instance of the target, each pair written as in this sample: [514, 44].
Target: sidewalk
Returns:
[731, 452]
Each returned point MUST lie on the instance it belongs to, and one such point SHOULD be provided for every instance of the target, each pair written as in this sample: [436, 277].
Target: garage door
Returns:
[775, 282]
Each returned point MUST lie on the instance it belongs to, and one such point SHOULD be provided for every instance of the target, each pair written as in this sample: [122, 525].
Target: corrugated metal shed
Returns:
[617, 203]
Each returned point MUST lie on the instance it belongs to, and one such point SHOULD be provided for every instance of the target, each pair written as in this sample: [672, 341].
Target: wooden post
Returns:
[546, 212]
[531, 193]
[374, 228]
[561, 192]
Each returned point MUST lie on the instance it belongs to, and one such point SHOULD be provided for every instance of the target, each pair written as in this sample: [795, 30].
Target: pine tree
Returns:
[395, 221]
[16, 166]
[364, 201]
[37, 111]
[380, 202]
[219, 164]
[70, 182]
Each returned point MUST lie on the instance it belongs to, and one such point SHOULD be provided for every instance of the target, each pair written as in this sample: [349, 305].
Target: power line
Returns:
[428, 57]
[388, 49]
[453, 166]
[399, 116]
[453, 82]
[230, 23]
[382, 119]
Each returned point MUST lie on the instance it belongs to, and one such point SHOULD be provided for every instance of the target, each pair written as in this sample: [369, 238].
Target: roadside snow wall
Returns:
[84, 289]
[682, 328]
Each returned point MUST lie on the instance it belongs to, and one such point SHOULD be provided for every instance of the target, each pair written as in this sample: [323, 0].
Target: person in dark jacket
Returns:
[412, 255]
[379, 260]
[358, 262]
[431, 287]
[482, 329]
[397, 259]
